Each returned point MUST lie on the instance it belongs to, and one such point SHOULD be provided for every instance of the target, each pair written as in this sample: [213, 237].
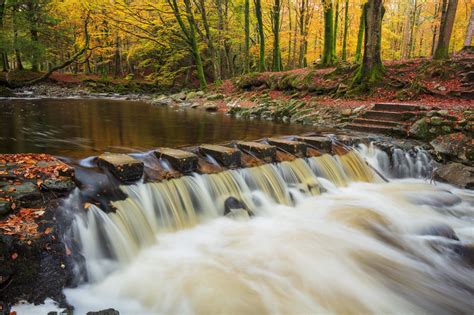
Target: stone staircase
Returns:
[392, 119]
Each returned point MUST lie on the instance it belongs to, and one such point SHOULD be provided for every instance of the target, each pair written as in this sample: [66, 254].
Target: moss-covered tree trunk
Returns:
[371, 70]
[276, 36]
[328, 57]
[302, 18]
[261, 33]
[247, 36]
[346, 28]
[447, 21]
[360, 36]
[336, 25]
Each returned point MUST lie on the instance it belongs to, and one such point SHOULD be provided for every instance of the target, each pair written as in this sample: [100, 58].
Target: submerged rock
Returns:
[234, 208]
[441, 230]
[456, 174]
[109, 311]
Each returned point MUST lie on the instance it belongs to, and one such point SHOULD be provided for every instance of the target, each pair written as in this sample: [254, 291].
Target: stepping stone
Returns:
[323, 144]
[262, 151]
[180, 160]
[293, 147]
[122, 166]
[225, 156]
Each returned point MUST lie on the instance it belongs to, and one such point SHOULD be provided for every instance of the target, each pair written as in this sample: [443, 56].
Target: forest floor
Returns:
[446, 85]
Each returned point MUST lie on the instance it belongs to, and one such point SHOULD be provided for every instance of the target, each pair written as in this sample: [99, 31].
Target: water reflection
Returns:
[80, 128]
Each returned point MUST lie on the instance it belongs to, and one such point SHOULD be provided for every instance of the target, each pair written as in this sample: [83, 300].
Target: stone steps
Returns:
[210, 158]
[389, 115]
[397, 107]
[386, 118]
[383, 123]
[378, 129]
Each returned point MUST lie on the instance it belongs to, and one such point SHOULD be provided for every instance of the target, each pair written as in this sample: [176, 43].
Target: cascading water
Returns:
[329, 237]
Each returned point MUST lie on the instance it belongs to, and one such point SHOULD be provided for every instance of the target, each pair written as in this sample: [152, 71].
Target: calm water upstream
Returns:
[79, 128]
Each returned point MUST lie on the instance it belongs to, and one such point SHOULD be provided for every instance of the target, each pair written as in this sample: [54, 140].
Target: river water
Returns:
[330, 235]
[85, 127]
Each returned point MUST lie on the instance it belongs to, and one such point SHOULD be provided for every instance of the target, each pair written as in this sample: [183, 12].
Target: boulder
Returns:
[456, 174]
[162, 101]
[234, 208]
[456, 146]
[58, 184]
[25, 193]
[211, 107]
[179, 96]
[441, 230]
[191, 96]
[215, 97]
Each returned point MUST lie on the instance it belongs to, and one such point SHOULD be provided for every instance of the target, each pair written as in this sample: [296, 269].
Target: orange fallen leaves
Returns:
[34, 166]
[23, 223]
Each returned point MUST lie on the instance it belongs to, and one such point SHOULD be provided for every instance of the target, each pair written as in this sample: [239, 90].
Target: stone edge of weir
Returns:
[33, 187]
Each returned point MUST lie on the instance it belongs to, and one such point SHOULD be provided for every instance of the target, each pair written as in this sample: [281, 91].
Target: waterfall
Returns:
[184, 202]
[329, 236]
[400, 163]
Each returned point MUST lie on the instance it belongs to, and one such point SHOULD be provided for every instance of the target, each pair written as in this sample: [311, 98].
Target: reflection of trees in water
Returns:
[88, 127]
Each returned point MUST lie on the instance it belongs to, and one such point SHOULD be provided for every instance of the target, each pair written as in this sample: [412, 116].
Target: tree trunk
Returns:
[303, 12]
[3, 53]
[328, 56]
[346, 27]
[210, 42]
[470, 30]
[288, 63]
[117, 58]
[190, 35]
[360, 36]
[336, 24]
[446, 29]
[276, 36]
[247, 37]
[258, 13]
[371, 70]
[435, 29]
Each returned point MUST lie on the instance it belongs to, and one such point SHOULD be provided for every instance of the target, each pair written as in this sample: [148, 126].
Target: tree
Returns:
[247, 36]
[346, 27]
[258, 14]
[360, 36]
[189, 32]
[448, 13]
[371, 70]
[276, 35]
[470, 30]
[328, 52]
[336, 24]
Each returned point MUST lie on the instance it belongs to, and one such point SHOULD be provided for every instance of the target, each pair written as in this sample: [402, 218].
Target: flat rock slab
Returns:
[293, 147]
[262, 151]
[225, 156]
[322, 144]
[122, 166]
[180, 160]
